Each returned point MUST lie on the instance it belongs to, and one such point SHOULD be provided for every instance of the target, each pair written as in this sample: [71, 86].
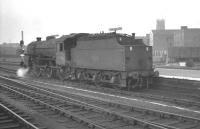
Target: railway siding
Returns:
[75, 113]
[147, 107]
[131, 102]
[11, 117]
[186, 121]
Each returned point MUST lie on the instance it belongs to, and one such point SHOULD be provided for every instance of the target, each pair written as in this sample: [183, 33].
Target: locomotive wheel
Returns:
[60, 74]
[49, 72]
[42, 72]
[147, 83]
[97, 79]
[80, 76]
[129, 86]
[37, 72]
[118, 80]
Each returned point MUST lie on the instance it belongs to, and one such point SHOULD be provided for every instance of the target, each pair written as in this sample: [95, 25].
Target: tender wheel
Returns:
[131, 83]
[97, 79]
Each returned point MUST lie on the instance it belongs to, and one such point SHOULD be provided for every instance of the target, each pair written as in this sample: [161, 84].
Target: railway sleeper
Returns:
[75, 117]
[163, 116]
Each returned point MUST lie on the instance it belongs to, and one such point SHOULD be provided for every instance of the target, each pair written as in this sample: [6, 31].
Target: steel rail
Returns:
[80, 103]
[134, 120]
[113, 113]
[17, 117]
[146, 109]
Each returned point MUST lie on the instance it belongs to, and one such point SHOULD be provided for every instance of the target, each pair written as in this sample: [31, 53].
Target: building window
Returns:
[131, 48]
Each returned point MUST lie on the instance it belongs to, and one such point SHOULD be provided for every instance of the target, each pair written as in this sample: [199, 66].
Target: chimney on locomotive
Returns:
[38, 39]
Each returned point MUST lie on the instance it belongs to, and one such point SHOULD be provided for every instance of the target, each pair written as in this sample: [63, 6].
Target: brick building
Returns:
[162, 40]
[187, 37]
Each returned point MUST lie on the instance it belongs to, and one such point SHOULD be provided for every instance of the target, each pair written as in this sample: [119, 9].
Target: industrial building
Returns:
[161, 40]
[160, 24]
[9, 49]
[171, 45]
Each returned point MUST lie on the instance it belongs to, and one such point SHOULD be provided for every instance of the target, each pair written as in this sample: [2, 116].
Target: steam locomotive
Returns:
[104, 58]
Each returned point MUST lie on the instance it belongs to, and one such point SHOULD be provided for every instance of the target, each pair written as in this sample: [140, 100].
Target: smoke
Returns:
[21, 72]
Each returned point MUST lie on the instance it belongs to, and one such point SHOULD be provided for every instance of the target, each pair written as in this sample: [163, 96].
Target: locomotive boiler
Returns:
[105, 58]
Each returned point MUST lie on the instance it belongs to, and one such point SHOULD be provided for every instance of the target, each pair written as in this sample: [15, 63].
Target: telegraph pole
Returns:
[22, 41]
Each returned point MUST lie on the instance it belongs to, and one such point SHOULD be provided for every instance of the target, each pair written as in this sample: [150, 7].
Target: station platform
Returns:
[179, 73]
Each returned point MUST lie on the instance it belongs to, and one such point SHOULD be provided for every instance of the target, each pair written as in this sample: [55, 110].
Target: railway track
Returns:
[180, 85]
[190, 100]
[7, 70]
[154, 94]
[48, 112]
[9, 63]
[85, 114]
[102, 113]
[178, 98]
[12, 118]
[147, 94]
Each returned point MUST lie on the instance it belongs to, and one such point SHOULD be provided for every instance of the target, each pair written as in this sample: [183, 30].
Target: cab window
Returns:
[61, 47]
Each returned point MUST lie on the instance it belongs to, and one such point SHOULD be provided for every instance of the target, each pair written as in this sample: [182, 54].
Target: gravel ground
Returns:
[42, 119]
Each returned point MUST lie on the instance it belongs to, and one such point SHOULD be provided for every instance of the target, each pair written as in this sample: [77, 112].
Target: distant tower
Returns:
[160, 24]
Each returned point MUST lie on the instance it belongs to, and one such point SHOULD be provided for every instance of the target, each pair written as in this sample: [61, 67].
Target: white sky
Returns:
[48, 17]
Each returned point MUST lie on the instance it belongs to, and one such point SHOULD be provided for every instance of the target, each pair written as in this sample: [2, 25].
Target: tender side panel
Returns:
[104, 54]
[138, 58]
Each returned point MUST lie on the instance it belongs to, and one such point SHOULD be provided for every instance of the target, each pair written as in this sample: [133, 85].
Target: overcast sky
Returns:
[48, 17]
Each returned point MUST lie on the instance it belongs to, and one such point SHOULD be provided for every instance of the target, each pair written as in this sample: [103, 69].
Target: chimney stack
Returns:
[38, 39]
[22, 35]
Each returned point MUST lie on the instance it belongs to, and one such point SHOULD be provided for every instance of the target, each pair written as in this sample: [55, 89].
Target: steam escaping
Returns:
[21, 72]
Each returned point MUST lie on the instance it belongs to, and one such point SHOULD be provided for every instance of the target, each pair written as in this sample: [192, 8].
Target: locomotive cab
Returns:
[60, 54]
[63, 50]
[64, 46]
